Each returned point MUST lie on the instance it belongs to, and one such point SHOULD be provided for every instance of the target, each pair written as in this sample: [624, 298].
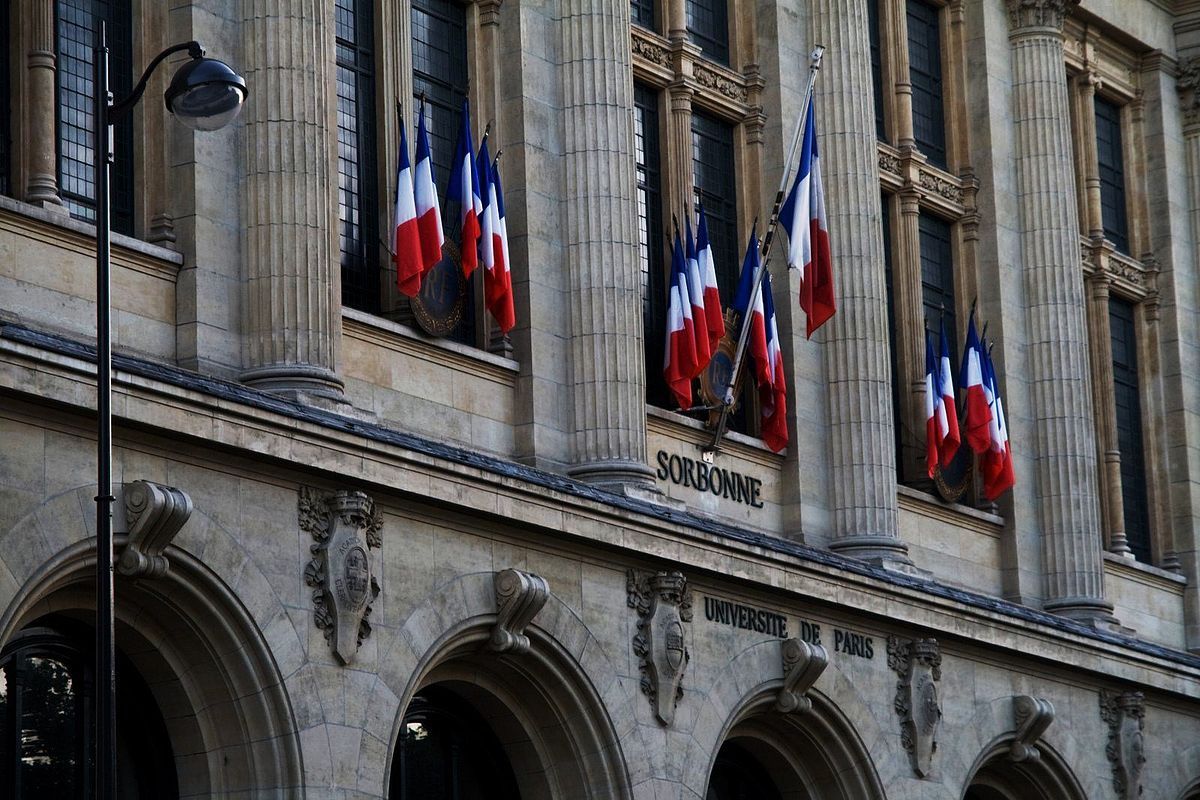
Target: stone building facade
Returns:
[358, 559]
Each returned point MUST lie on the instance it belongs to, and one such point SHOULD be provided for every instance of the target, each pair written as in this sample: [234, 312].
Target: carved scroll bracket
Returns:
[519, 597]
[663, 602]
[1125, 714]
[919, 664]
[346, 527]
[803, 663]
[1032, 716]
[151, 514]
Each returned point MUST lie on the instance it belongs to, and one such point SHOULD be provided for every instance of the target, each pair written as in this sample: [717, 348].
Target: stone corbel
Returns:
[803, 663]
[663, 603]
[519, 597]
[918, 662]
[1032, 716]
[1125, 714]
[346, 527]
[150, 514]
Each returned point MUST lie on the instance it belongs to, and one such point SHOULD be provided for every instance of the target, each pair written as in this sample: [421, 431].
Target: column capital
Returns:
[1024, 15]
[1188, 84]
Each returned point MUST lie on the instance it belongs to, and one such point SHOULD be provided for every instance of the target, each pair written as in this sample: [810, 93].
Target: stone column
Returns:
[293, 303]
[601, 240]
[39, 98]
[1090, 168]
[896, 23]
[910, 335]
[1061, 391]
[678, 152]
[855, 342]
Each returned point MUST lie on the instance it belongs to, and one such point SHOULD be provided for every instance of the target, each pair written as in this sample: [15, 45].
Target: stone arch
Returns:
[198, 647]
[561, 710]
[1184, 768]
[817, 754]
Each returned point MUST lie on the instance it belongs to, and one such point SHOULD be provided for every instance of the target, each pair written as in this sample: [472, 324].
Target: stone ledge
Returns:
[956, 513]
[403, 338]
[1147, 574]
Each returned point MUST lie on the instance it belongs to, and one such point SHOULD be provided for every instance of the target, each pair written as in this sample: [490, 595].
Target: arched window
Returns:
[47, 701]
[738, 775]
[447, 750]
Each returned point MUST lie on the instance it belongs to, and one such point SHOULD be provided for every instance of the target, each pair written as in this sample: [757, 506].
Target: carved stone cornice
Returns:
[936, 184]
[1032, 716]
[918, 662]
[152, 515]
[663, 603]
[1125, 714]
[1188, 84]
[889, 163]
[346, 527]
[803, 663]
[645, 45]
[711, 78]
[1024, 15]
[519, 597]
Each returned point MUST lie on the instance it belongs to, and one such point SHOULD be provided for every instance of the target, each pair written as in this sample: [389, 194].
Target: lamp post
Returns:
[205, 94]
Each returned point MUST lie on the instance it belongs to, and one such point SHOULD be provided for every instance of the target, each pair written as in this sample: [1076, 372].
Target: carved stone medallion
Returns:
[919, 664]
[1125, 714]
[346, 528]
[663, 603]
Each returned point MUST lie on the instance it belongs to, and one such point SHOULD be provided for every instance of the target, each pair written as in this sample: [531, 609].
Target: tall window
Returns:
[642, 13]
[1111, 163]
[5, 115]
[713, 178]
[925, 74]
[650, 239]
[356, 154]
[937, 277]
[77, 25]
[1129, 427]
[708, 26]
[876, 66]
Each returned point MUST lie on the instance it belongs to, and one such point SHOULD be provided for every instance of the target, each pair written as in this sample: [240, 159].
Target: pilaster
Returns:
[1061, 391]
[607, 369]
[855, 343]
[293, 303]
[910, 341]
[37, 104]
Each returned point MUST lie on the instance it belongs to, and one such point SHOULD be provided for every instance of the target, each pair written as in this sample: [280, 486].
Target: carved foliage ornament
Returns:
[711, 79]
[346, 528]
[1188, 84]
[1032, 716]
[519, 597]
[1125, 714]
[663, 602]
[153, 514]
[803, 663]
[918, 662]
[1038, 13]
[941, 187]
[650, 50]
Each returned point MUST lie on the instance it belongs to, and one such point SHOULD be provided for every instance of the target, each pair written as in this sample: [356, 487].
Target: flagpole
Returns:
[744, 335]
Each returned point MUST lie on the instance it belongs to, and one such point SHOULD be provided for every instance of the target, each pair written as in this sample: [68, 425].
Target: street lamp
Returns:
[205, 94]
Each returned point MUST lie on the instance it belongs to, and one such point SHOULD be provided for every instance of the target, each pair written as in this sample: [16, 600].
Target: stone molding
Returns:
[918, 662]
[519, 597]
[346, 527]
[151, 514]
[1032, 716]
[803, 663]
[1188, 84]
[1125, 714]
[663, 602]
[1026, 14]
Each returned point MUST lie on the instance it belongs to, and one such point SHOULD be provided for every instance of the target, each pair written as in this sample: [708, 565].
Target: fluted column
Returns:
[41, 159]
[601, 246]
[1090, 168]
[855, 346]
[896, 22]
[1060, 387]
[910, 335]
[293, 304]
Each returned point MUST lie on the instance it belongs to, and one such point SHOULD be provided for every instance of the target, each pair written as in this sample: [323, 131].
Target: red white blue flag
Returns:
[695, 287]
[935, 411]
[406, 238]
[464, 188]
[497, 282]
[950, 441]
[978, 415]
[753, 315]
[773, 397]
[714, 319]
[429, 214]
[803, 217]
[680, 364]
[996, 464]
[488, 219]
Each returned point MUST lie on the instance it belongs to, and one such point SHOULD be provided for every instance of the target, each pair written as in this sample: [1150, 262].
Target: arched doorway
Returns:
[1001, 778]
[47, 712]
[739, 775]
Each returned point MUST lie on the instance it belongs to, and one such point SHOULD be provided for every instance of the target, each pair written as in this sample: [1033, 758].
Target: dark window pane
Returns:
[651, 241]
[937, 277]
[642, 13]
[925, 72]
[5, 115]
[876, 67]
[738, 775]
[1112, 173]
[356, 155]
[1129, 427]
[708, 26]
[77, 24]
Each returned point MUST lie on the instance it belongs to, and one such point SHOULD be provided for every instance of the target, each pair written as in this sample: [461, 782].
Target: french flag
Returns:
[978, 415]
[935, 411]
[714, 319]
[951, 441]
[773, 398]
[464, 187]
[695, 287]
[497, 283]
[429, 214]
[406, 237]
[680, 364]
[803, 217]
[488, 221]
[753, 316]
[996, 464]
